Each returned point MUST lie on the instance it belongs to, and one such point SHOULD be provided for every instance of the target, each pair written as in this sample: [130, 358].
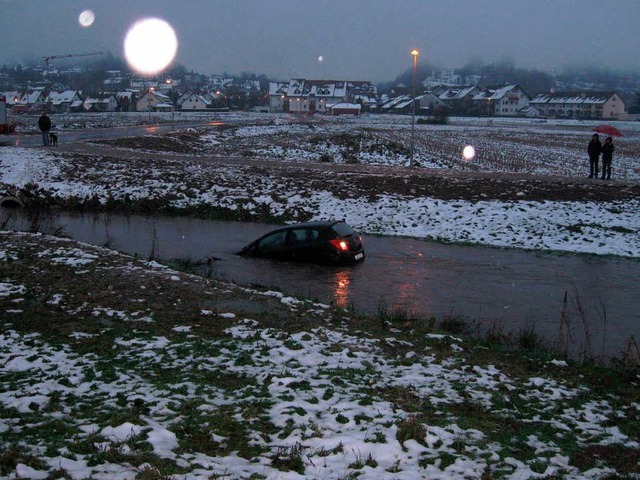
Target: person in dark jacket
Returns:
[607, 158]
[594, 149]
[44, 124]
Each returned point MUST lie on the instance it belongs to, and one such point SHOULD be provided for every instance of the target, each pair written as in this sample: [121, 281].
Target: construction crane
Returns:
[48, 58]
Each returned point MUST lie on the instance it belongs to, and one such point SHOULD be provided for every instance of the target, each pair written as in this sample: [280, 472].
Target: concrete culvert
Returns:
[10, 201]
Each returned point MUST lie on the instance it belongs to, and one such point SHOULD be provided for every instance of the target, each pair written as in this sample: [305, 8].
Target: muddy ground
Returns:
[371, 180]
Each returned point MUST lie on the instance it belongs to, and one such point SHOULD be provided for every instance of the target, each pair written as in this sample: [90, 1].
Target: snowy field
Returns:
[122, 369]
[177, 386]
[503, 146]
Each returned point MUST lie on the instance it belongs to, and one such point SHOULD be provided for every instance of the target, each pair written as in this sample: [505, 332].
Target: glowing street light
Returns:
[415, 54]
[173, 125]
[151, 89]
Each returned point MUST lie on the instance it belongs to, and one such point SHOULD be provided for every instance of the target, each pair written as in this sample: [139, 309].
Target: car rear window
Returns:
[343, 229]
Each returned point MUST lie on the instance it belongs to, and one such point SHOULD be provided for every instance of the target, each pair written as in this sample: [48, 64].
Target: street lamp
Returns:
[415, 54]
[151, 89]
[173, 125]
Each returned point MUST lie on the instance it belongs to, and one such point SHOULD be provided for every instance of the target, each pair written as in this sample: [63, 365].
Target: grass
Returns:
[289, 458]
[218, 394]
[211, 390]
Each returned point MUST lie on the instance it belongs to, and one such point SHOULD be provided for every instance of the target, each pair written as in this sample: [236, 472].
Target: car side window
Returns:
[302, 236]
[272, 242]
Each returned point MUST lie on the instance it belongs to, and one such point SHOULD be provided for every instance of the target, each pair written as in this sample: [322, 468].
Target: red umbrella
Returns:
[608, 130]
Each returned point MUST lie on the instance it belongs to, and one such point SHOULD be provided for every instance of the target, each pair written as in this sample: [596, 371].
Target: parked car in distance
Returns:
[327, 242]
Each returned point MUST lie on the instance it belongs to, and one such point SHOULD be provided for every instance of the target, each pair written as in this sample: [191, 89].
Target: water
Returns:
[509, 289]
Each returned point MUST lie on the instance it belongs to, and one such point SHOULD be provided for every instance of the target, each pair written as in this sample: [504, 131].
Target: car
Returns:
[326, 242]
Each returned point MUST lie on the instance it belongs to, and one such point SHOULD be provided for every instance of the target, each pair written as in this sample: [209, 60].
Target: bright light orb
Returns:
[320, 59]
[469, 153]
[86, 18]
[150, 46]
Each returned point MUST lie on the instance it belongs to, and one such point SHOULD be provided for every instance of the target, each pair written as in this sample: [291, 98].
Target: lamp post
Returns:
[415, 54]
[173, 125]
[149, 102]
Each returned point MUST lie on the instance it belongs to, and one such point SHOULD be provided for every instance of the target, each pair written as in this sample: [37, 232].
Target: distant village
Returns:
[443, 95]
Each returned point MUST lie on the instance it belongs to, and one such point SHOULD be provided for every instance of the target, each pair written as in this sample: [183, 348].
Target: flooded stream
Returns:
[510, 289]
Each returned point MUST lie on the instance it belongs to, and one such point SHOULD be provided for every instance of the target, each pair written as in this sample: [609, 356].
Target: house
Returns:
[429, 102]
[115, 82]
[163, 107]
[389, 105]
[103, 102]
[424, 103]
[600, 105]
[28, 100]
[77, 106]
[61, 102]
[504, 101]
[12, 97]
[459, 100]
[344, 108]
[277, 95]
[311, 96]
[530, 111]
[368, 102]
[126, 100]
[219, 82]
[150, 98]
[192, 101]
[138, 84]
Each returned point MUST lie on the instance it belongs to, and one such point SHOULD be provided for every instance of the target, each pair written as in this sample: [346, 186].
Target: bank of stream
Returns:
[592, 297]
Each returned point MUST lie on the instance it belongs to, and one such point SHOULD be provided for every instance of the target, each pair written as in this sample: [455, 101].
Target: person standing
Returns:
[607, 158]
[44, 124]
[594, 149]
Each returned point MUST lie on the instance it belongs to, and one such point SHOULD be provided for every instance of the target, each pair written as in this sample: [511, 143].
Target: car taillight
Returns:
[339, 244]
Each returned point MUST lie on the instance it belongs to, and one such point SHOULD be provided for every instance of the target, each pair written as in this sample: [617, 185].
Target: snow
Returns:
[603, 228]
[7, 289]
[323, 422]
[298, 376]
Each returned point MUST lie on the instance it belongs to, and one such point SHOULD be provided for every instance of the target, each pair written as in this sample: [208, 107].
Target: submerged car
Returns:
[332, 242]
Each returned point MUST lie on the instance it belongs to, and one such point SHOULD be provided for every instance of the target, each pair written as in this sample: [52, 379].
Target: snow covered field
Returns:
[118, 368]
[513, 146]
[158, 377]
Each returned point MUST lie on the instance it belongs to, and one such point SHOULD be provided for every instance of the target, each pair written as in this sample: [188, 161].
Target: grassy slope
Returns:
[105, 311]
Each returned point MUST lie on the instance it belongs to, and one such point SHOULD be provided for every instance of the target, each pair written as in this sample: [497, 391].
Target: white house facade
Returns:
[150, 99]
[61, 102]
[600, 105]
[311, 96]
[506, 101]
[104, 102]
[192, 101]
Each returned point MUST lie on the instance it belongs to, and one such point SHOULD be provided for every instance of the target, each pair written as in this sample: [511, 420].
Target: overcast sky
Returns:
[357, 39]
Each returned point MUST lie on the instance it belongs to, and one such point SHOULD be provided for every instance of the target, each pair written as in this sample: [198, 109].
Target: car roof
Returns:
[315, 224]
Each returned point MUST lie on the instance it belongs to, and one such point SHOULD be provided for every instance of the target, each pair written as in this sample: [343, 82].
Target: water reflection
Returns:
[341, 288]
[406, 295]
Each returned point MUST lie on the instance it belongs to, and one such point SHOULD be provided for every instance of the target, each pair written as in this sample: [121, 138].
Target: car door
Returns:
[302, 244]
[272, 245]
